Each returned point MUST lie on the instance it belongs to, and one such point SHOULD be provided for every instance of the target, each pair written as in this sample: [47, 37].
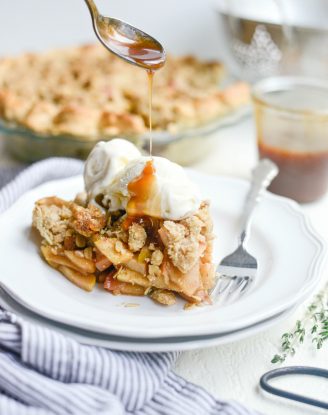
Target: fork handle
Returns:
[262, 176]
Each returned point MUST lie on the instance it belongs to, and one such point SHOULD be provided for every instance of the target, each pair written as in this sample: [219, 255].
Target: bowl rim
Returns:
[276, 83]
[160, 138]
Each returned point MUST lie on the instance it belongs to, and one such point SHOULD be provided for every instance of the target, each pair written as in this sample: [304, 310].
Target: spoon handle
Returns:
[92, 7]
[263, 174]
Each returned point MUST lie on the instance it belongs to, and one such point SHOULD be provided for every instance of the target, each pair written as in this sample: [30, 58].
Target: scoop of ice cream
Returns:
[105, 161]
[154, 187]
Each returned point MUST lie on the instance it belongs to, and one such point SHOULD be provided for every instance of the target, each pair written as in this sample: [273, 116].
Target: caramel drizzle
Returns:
[150, 109]
[142, 190]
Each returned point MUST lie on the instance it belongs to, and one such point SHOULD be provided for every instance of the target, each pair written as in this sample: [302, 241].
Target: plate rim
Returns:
[130, 344]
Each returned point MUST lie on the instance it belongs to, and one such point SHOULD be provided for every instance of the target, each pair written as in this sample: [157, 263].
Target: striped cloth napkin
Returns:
[45, 373]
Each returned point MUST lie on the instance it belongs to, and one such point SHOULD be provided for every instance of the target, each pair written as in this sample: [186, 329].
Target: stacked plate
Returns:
[289, 252]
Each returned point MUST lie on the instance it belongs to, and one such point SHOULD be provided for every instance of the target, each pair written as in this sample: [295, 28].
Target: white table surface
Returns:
[232, 371]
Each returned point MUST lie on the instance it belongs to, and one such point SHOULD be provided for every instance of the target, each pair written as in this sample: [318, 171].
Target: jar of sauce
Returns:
[291, 116]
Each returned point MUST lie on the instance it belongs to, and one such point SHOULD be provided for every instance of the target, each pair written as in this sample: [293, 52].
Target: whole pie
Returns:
[138, 229]
[86, 92]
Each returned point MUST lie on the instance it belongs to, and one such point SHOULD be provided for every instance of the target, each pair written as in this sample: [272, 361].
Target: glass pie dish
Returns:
[61, 102]
[184, 147]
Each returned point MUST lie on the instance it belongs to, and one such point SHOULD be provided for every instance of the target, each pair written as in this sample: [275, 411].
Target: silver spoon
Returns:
[126, 41]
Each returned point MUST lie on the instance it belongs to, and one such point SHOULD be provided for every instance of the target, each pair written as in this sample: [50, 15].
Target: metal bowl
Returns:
[275, 37]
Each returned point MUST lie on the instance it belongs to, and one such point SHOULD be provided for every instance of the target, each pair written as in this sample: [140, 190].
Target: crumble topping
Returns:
[182, 241]
[164, 297]
[87, 221]
[157, 257]
[137, 237]
[52, 221]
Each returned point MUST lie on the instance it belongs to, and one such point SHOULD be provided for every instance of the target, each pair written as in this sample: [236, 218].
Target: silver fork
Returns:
[237, 271]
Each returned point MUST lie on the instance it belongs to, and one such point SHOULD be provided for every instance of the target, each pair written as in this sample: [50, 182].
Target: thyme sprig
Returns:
[314, 324]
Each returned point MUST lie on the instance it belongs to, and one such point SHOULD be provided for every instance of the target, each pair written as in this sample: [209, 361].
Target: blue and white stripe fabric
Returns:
[38, 173]
[44, 373]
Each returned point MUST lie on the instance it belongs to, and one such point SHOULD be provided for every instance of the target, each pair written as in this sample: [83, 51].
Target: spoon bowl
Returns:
[126, 41]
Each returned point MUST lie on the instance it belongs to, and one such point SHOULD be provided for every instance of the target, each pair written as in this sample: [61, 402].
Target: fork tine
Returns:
[238, 282]
[222, 287]
[228, 289]
[229, 282]
[246, 285]
[229, 294]
[217, 283]
[236, 290]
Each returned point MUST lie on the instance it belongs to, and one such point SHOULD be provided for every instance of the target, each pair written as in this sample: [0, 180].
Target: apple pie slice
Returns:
[136, 249]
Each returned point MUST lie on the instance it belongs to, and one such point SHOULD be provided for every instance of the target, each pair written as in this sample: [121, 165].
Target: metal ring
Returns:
[292, 370]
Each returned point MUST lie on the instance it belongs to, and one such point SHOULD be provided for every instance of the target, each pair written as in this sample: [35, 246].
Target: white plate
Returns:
[289, 252]
[142, 345]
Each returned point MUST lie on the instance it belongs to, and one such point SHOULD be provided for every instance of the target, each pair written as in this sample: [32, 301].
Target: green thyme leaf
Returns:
[313, 325]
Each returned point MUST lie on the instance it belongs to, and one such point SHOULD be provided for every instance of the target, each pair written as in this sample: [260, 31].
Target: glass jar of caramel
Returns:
[291, 116]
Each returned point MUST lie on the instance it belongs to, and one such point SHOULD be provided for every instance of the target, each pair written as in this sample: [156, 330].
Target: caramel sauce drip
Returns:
[144, 197]
[147, 54]
[150, 100]
[132, 45]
